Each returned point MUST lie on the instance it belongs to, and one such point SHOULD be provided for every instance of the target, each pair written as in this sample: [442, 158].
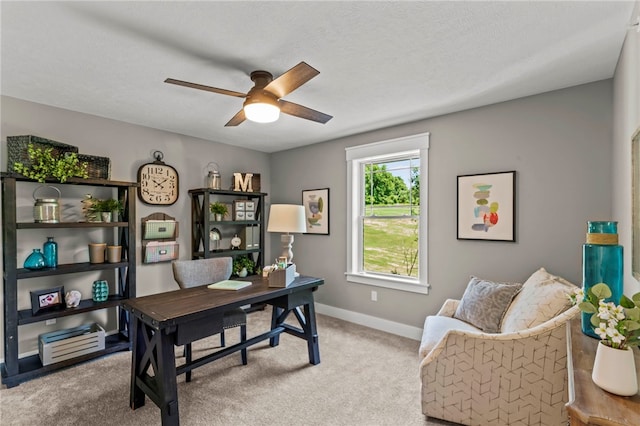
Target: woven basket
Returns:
[97, 167]
[17, 149]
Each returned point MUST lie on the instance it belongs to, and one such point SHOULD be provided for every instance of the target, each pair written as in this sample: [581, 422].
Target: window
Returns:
[387, 213]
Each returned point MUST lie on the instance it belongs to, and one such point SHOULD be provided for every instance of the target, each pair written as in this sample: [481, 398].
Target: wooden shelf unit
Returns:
[15, 370]
[201, 223]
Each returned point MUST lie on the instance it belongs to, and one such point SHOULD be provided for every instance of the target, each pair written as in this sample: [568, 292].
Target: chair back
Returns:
[193, 273]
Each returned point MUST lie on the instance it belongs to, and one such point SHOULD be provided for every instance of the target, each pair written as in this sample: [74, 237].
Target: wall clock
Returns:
[158, 182]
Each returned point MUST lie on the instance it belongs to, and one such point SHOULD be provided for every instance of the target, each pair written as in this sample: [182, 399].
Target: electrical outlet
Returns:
[374, 296]
[50, 321]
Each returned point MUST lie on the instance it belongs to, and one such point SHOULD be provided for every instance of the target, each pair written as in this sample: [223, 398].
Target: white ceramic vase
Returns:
[614, 370]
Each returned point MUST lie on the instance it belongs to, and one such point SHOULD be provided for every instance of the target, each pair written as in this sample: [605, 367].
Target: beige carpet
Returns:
[366, 377]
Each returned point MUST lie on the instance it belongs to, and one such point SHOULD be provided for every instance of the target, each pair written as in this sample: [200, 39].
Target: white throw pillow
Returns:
[543, 296]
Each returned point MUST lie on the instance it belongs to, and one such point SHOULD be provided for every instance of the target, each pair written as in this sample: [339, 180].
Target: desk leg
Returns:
[307, 321]
[276, 320]
[166, 380]
[154, 351]
[136, 394]
[311, 332]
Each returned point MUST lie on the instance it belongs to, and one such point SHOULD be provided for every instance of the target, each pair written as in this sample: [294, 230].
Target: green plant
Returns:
[617, 325]
[241, 262]
[218, 208]
[45, 165]
[108, 205]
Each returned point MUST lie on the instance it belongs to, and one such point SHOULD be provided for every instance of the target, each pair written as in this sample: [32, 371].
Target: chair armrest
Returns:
[530, 333]
[448, 308]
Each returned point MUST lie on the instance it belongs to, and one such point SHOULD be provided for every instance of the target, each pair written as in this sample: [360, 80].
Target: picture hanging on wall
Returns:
[316, 210]
[486, 207]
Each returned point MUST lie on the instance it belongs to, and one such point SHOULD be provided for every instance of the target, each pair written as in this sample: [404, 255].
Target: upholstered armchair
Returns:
[512, 377]
[192, 273]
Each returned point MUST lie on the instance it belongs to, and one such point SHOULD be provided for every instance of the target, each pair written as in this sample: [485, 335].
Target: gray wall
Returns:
[558, 142]
[626, 111]
[128, 146]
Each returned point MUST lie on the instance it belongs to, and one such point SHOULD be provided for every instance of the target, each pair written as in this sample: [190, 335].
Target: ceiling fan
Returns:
[264, 102]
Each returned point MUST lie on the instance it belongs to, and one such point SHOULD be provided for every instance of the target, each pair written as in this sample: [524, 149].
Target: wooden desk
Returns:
[588, 404]
[163, 320]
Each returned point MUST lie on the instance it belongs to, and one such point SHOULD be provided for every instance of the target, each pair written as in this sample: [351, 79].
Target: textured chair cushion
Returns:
[543, 296]
[435, 327]
[484, 303]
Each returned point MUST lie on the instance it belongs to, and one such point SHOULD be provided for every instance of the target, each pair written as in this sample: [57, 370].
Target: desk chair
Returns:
[193, 273]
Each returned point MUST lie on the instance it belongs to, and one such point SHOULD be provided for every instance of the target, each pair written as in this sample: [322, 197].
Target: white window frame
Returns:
[356, 157]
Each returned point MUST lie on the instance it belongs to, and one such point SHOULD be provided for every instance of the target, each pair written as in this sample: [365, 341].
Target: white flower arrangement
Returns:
[618, 326]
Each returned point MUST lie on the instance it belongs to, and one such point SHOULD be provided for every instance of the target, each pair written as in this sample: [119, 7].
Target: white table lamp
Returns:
[287, 218]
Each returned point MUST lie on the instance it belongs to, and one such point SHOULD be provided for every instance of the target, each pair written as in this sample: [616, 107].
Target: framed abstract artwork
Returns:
[635, 200]
[316, 210]
[486, 206]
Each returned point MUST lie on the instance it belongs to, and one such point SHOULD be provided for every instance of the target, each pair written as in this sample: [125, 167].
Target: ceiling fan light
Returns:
[261, 112]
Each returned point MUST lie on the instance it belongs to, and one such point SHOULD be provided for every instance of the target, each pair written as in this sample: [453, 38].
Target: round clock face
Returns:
[235, 242]
[158, 184]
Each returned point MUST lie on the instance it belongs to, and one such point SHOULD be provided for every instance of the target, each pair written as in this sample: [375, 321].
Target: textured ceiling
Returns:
[380, 63]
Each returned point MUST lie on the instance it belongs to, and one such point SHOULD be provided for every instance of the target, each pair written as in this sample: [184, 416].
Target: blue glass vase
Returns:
[601, 263]
[35, 260]
[50, 252]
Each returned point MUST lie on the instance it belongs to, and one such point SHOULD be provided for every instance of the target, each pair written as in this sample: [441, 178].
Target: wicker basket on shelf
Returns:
[17, 149]
[97, 167]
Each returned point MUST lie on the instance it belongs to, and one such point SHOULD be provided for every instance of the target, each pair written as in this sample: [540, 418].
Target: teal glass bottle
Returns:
[35, 260]
[50, 252]
[601, 263]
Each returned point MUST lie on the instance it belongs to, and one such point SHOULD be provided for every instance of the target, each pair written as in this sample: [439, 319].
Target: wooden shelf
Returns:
[26, 316]
[65, 225]
[70, 268]
[31, 367]
[15, 369]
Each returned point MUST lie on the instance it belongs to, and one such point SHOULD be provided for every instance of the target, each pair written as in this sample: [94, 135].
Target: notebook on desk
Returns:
[229, 285]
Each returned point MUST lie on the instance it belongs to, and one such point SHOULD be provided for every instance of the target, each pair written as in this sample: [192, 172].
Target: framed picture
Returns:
[44, 300]
[316, 210]
[486, 207]
[635, 213]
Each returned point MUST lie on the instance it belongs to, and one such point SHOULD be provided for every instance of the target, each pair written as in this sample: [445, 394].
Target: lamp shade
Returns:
[286, 218]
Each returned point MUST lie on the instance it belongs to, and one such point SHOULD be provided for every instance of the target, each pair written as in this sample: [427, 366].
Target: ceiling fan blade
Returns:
[236, 119]
[207, 88]
[292, 79]
[303, 112]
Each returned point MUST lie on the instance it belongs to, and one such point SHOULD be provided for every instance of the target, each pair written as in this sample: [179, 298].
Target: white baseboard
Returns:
[392, 327]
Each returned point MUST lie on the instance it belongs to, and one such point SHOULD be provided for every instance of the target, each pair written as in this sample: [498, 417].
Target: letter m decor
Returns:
[246, 182]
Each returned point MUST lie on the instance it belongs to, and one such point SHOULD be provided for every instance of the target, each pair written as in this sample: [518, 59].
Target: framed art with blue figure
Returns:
[316, 210]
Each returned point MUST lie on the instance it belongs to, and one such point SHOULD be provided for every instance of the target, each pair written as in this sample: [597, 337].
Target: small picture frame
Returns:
[45, 300]
[316, 209]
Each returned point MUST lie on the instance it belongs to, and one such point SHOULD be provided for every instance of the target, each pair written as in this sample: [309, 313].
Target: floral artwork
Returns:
[316, 209]
[486, 207]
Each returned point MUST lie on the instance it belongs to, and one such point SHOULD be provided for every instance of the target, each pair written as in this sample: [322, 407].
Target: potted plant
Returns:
[219, 210]
[106, 208]
[618, 327]
[243, 266]
[45, 165]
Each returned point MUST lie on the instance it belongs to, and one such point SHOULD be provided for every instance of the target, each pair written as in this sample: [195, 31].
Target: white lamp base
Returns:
[287, 243]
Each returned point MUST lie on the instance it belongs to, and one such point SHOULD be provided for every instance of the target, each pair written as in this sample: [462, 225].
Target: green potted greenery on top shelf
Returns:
[106, 208]
[219, 210]
[45, 165]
